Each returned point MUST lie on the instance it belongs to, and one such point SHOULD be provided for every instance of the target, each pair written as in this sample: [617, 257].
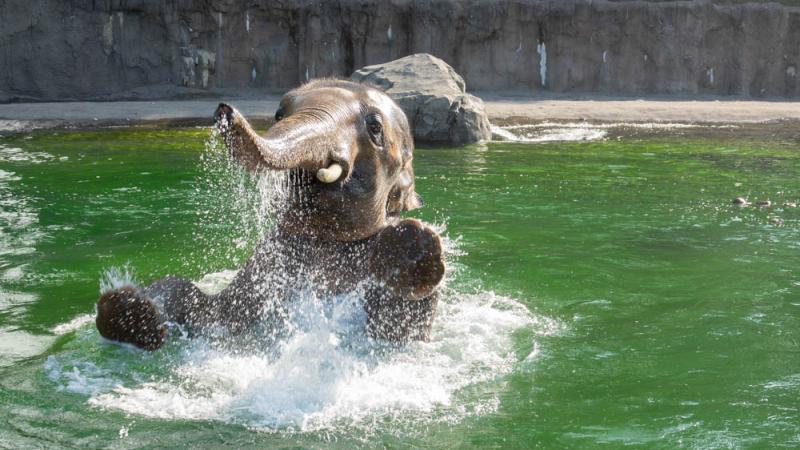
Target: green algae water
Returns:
[601, 294]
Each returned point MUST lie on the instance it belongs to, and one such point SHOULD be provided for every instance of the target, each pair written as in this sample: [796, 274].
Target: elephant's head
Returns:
[348, 149]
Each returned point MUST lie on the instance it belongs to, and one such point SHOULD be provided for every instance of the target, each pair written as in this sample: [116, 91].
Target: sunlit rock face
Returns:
[434, 98]
[51, 49]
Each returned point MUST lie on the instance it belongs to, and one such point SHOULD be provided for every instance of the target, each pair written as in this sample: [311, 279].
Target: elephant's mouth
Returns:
[304, 188]
[344, 210]
[329, 176]
[300, 179]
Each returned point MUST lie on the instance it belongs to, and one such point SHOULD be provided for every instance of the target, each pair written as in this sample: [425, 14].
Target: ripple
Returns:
[18, 155]
[547, 132]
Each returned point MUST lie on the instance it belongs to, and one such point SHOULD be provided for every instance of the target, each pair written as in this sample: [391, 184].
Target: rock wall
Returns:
[89, 49]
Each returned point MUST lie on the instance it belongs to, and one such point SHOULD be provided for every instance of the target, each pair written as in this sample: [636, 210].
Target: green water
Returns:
[658, 314]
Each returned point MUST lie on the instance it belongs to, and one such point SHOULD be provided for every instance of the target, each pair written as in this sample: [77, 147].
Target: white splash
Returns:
[605, 56]
[230, 195]
[547, 133]
[117, 277]
[253, 74]
[581, 131]
[74, 324]
[82, 377]
[710, 75]
[389, 33]
[541, 49]
[247, 21]
[326, 373]
[307, 77]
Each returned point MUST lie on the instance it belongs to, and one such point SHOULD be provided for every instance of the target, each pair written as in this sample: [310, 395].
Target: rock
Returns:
[777, 221]
[740, 201]
[763, 203]
[61, 50]
[197, 65]
[433, 97]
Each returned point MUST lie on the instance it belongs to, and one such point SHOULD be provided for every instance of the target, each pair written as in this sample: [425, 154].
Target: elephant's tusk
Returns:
[329, 174]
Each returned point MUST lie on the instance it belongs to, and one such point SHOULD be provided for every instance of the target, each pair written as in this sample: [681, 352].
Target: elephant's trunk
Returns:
[301, 141]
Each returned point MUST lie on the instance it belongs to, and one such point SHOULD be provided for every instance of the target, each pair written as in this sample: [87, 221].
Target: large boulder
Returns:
[433, 97]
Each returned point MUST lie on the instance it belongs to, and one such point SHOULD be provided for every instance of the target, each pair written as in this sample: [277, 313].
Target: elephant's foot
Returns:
[408, 259]
[125, 315]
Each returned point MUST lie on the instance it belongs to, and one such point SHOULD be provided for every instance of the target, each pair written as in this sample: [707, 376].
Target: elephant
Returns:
[347, 150]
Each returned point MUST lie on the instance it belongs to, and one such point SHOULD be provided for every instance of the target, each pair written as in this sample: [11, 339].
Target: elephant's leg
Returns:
[394, 318]
[182, 302]
[138, 316]
[408, 265]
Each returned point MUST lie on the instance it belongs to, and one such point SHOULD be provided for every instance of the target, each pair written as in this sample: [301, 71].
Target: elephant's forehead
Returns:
[341, 99]
[380, 101]
[326, 98]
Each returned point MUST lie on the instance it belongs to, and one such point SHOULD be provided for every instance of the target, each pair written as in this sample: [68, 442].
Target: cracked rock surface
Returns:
[433, 97]
[139, 49]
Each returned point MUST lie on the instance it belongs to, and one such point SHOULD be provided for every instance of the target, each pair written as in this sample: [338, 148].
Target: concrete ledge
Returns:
[20, 117]
[610, 109]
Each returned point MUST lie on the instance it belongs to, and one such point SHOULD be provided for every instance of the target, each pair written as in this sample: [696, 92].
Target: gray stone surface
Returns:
[17, 117]
[118, 49]
[433, 97]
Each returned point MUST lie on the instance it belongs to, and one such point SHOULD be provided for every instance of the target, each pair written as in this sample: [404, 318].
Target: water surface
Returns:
[602, 294]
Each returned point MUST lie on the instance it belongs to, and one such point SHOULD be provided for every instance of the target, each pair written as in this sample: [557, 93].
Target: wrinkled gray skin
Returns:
[335, 235]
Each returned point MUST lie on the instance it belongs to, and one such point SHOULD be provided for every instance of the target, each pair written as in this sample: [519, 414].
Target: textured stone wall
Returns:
[77, 49]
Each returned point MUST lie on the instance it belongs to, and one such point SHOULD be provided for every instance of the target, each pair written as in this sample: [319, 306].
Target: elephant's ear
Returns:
[402, 197]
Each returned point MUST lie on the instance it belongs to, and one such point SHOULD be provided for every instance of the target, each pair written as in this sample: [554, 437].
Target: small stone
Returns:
[741, 201]
[790, 205]
[776, 221]
[763, 203]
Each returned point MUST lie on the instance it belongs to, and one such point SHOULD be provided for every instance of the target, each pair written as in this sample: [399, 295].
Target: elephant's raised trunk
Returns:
[297, 142]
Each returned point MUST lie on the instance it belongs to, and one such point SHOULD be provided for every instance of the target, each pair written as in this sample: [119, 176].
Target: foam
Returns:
[16, 345]
[549, 133]
[581, 131]
[74, 325]
[83, 377]
[327, 372]
[18, 155]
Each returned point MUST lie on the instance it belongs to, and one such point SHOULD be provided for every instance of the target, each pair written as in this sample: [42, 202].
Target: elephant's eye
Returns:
[279, 114]
[375, 129]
